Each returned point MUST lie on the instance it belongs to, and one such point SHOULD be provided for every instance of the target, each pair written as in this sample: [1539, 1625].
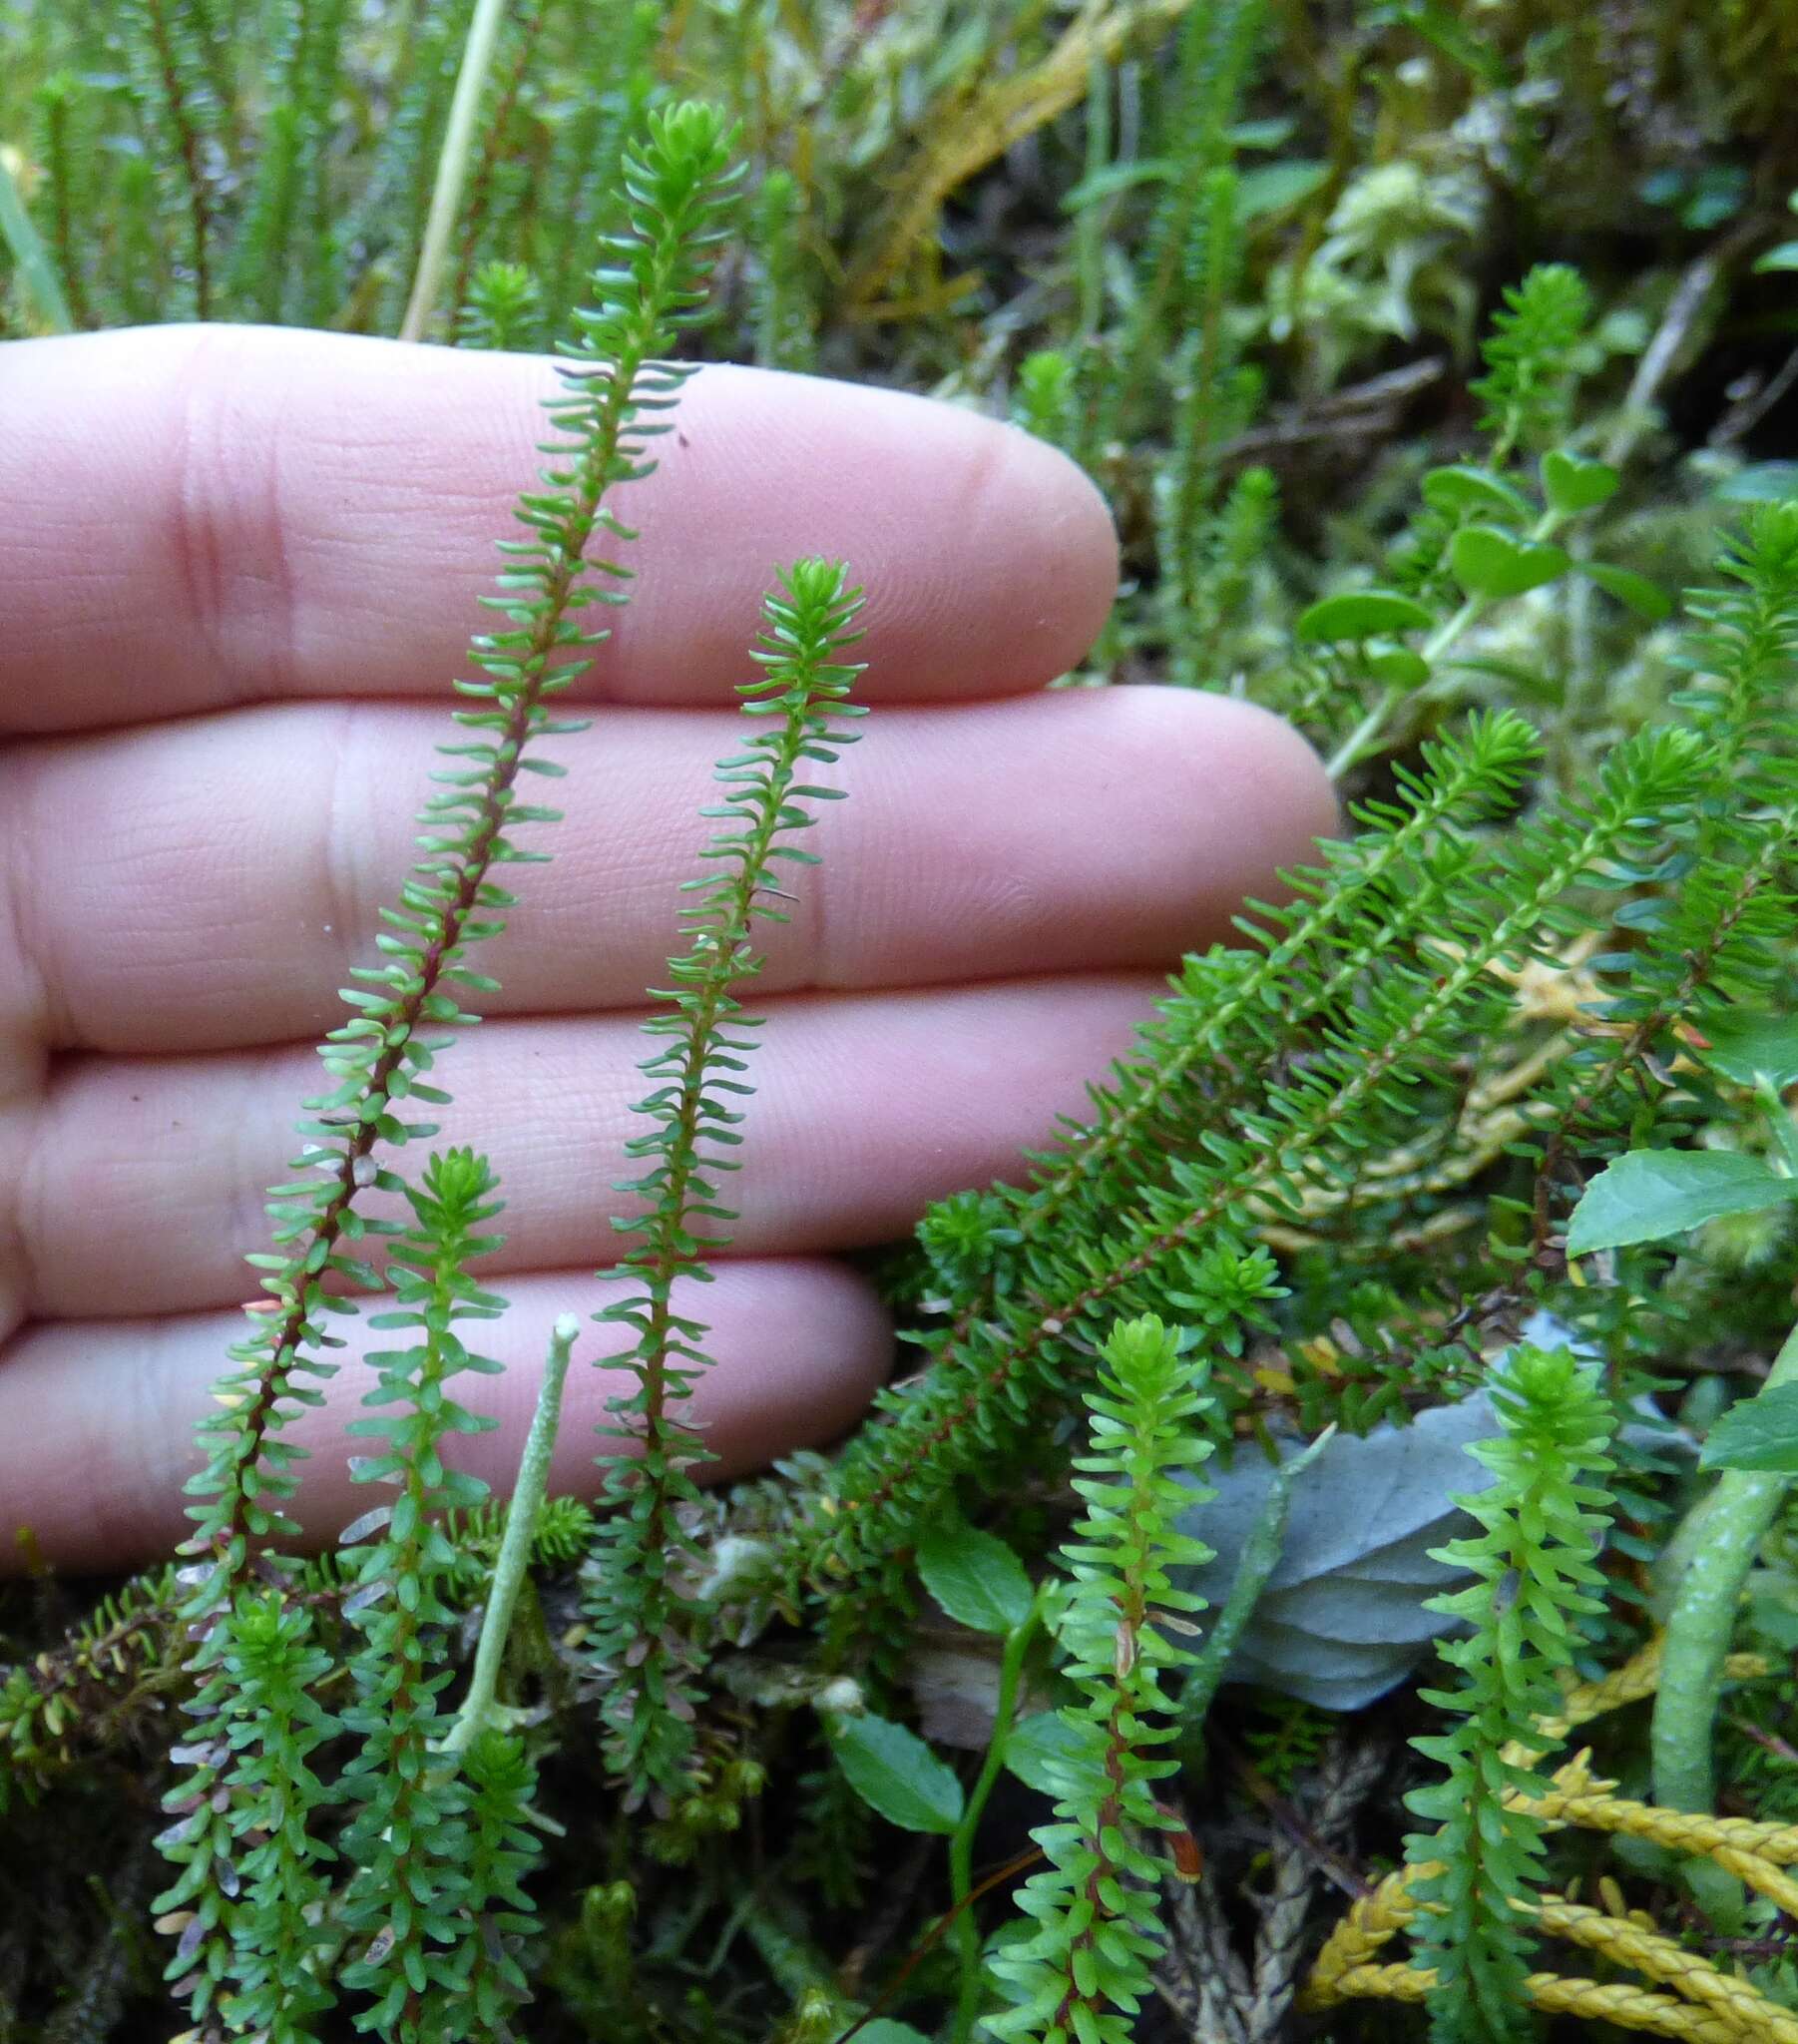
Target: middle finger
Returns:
[144, 1186]
[207, 884]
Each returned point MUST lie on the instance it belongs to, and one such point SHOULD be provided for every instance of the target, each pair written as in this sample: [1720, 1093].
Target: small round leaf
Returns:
[1491, 564]
[1043, 1750]
[1572, 483]
[1399, 666]
[976, 1577]
[896, 1774]
[1458, 491]
[1362, 614]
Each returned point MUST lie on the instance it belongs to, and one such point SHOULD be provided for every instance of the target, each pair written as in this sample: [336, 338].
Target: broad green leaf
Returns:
[976, 1577]
[1399, 665]
[1460, 44]
[1268, 134]
[1041, 1748]
[1651, 1193]
[1272, 188]
[897, 1774]
[1744, 1043]
[1494, 564]
[32, 262]
[1455, 490]
[1635, 592]
[1759, 1433]
[1782, 256]
[884, 2030]
[1362, 614]
[1112, 178]
[1572, 483]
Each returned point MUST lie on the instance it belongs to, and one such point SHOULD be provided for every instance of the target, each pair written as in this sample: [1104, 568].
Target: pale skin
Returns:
[238, 571]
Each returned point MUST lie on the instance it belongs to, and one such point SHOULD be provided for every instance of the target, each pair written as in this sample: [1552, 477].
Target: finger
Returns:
[207, 885]
[143, 1189]
[97, 1419]
[222, 515]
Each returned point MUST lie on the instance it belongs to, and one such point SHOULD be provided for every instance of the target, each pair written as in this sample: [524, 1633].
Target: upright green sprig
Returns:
[166, 44]
[1532, 360]
[786, 317]
[247, 1902]
[1217, 51]
[285, 259]
[1168, 1231]
[1214, 397]
[619, 83]
[1720, 935]
[1542, 1520]
[274, 1724]
[634, 1598]
[502, 309]
[62, 103]
[407, 1899]
[1046, 397]
[1742, 654]
[1084, 1971]
[680, 180]
[503, 1846]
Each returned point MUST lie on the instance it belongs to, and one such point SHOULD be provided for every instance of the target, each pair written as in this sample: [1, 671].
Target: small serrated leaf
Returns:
[1758, 1433]
[1652, 1194]
[976, 1577]
[896, 1774]
[1042, 1750]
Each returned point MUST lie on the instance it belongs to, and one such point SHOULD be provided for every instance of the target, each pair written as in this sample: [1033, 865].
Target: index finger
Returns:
[201, 517]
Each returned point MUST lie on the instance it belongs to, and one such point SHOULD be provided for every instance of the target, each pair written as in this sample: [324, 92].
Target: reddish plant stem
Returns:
[187, 138]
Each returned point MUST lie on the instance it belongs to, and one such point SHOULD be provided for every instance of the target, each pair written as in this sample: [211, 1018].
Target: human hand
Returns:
[238, 571]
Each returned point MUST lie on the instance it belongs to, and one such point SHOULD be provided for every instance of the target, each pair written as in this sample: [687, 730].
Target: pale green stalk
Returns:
[1737, 1516]
[1779, 1121]
[1439, 642]
[1254, 1570]
[961, 1844]
[36, 270]
[1091, 222]
[452, 164]
[479, 1709]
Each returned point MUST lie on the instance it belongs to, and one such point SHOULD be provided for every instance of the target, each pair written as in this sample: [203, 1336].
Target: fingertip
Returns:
[1297, 797]
[988, 560]
[1226, 796]
[1047, 539]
